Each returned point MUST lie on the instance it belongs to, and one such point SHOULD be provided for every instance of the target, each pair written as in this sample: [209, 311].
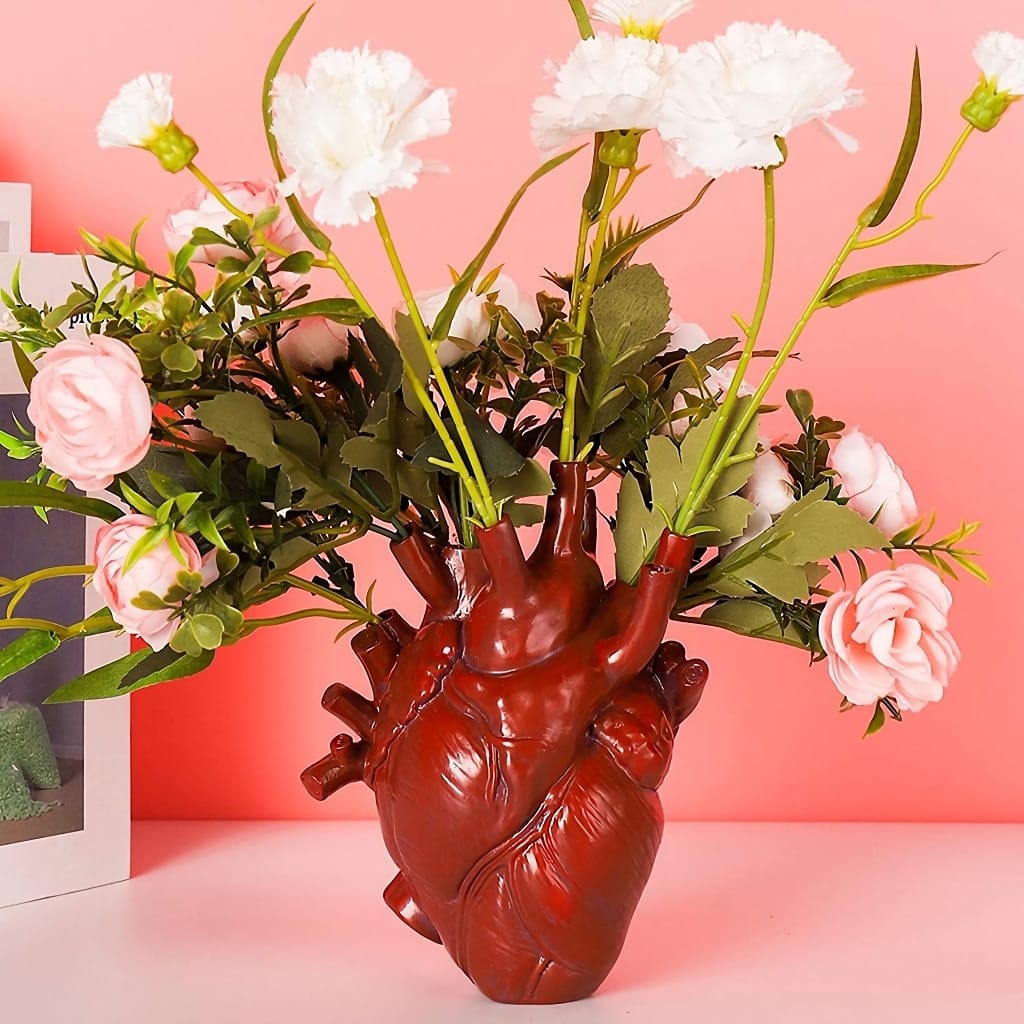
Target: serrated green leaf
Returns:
[723, 523]
[637, 529]
[908, 150]
[25, 650]
[853, 287]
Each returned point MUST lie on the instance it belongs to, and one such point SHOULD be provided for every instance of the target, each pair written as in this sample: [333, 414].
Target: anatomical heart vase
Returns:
[234, 411]
[515, 743]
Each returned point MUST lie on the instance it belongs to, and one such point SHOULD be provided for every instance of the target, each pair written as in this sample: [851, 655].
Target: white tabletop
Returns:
[282, 923]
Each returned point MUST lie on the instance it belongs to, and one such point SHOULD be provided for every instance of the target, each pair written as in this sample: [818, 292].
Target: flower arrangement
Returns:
[245, 429]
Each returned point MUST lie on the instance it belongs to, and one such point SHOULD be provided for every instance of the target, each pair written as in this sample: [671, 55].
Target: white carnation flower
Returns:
[608, 83]
[346, 130]
[1000, 56]
[641, 17]
[138, 113]
[730, 99]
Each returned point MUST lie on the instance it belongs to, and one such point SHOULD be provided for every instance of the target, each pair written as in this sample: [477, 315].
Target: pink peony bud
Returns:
[890, 638]
[314, 345]
[91, 410]
[156, 572]
[203, 210]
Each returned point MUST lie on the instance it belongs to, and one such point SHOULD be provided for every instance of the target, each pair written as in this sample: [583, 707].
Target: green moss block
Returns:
[25, 743]
[16, 803]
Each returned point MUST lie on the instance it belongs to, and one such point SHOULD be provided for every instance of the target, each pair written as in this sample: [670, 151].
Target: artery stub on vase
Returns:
[515, 743]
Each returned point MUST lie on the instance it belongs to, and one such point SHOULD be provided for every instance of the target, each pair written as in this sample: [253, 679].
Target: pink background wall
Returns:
[934, 371]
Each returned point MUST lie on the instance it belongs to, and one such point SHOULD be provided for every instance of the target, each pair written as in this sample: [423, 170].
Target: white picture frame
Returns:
[99, 852]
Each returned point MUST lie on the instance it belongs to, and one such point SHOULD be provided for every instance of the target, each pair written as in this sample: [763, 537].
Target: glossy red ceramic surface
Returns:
[515, 743]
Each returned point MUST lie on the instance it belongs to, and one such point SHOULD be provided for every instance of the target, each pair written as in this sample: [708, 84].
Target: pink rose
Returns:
[314, 345]
[890, 639]
[872, 482]
[203, 210]
[91, 409]
[156, 572]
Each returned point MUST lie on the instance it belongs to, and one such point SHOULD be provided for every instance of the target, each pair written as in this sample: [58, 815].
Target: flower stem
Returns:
[252, 625]
[919, 208]
[579, 11]
[474, 476]
[610, 200]
[21, 586]
[712, 457]
[852, 244]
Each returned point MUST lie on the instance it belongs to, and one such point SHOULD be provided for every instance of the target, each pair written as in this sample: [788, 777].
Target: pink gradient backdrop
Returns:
[934, 371]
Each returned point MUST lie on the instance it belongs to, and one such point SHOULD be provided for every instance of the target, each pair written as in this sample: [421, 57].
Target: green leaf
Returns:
[802, 403]
[25, 650]
[877, 721]
[342, 311]
[296, 263]
[308, 228]
[179, 357]
[132, 672]
[637, 529]
[622, 249]
[242, 421]
[499, 458]
[722, 523]
[26, 368]
[749, 618]
[702, 357]
[782, 560]
[18, 494]
[629, 316]
[853, 287]
[908, 151]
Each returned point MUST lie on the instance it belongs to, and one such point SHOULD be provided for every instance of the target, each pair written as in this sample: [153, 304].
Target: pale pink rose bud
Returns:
[891, 639]
[203, 210]
[771, 491]
[472, 322]
[719, 380]
[91, 410]
[314, 345]
[685, 337]
[157, 571]
[872, 482]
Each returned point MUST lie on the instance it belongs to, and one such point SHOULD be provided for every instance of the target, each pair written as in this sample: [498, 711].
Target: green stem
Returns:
[566, 452]
[78, 629]
[308, 613]
[919, 208]
[703, 480]
[475, 477]
[579, 11]
[312, 588]
[21, 586]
